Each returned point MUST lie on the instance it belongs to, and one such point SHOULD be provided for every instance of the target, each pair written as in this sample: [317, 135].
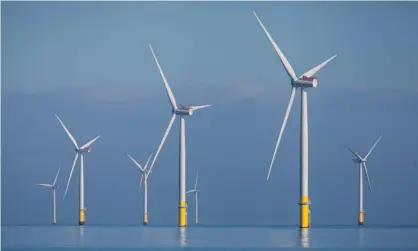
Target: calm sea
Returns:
[207, 238]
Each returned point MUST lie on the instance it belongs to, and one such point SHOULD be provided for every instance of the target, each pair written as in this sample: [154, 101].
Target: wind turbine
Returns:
[195, 191]
[54, 187]
[181, 111]
[146, 173]
[305, 81]
[362, 164]
[79, 151]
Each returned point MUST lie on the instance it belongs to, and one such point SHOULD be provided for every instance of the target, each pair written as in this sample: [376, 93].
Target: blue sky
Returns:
[90, 63]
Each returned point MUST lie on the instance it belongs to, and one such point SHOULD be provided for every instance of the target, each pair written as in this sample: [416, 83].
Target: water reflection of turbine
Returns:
[183, 237]
[361, 237]
[81, 234]
[304, 237]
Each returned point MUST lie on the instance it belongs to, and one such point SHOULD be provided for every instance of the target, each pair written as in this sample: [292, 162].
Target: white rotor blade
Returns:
[142, 177]
[314, 70]
[283, 59]
[355, 154]
[373, 147]
[197, 107]
[88, 144]
[286, 116]
[44, 185]
[56, 176]
[191, 191]
[71, 173]
[367, 175]
[146, 164]
[136, 163]
[170, 124]
[167, 87]
[197, 176]
[68, 132]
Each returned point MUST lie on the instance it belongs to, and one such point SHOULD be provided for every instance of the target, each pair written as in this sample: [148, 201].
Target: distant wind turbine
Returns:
[146, 173]
[305, 81]
[54, 187]
[79, 151]
[362, 164]
[195, 191]
[181, 111]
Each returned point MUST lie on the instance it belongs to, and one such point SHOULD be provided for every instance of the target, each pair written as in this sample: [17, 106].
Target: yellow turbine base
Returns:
[182, 214]
[304, 212]
[361, 218]
[145, 219]
[82, 219]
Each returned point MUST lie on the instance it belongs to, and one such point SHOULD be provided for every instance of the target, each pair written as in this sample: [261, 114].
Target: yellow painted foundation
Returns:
[182, 214]
[304, 212]
[145, 218]
[82, 218]
[361, 218]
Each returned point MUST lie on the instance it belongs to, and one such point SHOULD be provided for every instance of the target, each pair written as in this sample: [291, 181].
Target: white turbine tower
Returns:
[79, 151]
[305, 81]
[146, 173]
[195, 191]
[54, 187]
[181, 111]
[362, 164]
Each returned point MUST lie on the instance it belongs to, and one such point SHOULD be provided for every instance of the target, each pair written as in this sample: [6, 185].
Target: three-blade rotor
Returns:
[293, 80]
[144, 170]
[176, 110]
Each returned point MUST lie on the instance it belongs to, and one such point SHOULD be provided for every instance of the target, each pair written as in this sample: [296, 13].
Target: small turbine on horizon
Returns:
[305, 81]
[181, 111]
[195, 191]
[79, 151]
[54, 186]
[362, 164]
[146, 173]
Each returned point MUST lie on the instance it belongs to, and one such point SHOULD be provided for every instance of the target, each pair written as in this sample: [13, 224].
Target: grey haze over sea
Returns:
[90, 63]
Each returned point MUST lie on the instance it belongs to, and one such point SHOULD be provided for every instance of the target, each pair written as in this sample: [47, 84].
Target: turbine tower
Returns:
[195, 191]
[145, 172]
[181, 111]
[362, 164]
[54, 187]
[79, 151]
[305, 81]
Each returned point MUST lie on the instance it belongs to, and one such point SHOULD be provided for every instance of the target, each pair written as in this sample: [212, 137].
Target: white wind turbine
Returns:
[181, 111]
[79, 151]
[146, 173]
[305, 81]
[195, 191]
[54, 187]
[362, 164]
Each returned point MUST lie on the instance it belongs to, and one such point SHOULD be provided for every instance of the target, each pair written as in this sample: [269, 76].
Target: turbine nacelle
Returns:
[183, 110]
[305, 82]
[83, 150]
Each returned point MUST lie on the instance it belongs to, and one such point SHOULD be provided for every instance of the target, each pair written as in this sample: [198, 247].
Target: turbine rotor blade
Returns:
[197, 176]
[367, 175]
[167, 87]
[283, 59]
[170, 124]
[44, 185]
[88, 144]
[56, 176]
[197, 107]
[377, 141]
[71, 173]
[142, 177]
[68, 132]
[314, 70]
[136, 163]
[190, 191]
[289, 107]
[146, 164]
[355, 154]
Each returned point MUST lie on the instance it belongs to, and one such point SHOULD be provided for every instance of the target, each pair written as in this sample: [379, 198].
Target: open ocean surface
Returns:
[208, 237]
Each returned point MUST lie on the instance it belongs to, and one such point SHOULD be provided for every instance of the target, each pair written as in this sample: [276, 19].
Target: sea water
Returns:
[207, 237]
